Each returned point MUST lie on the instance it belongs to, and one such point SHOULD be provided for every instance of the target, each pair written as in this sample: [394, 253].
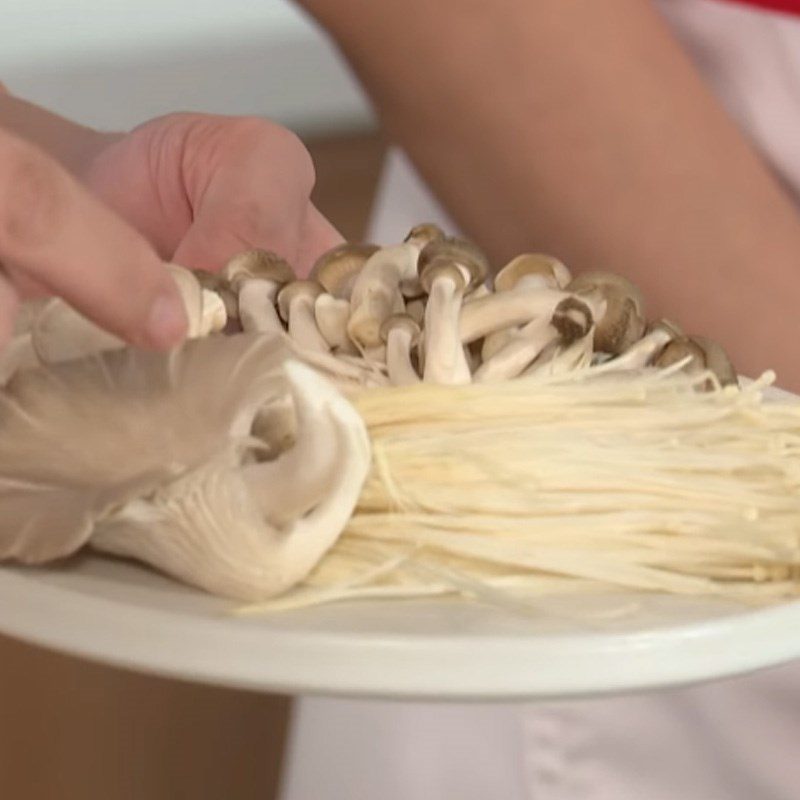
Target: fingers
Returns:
[249, 186]
[317, 236]
[59, 236]
[9, 303]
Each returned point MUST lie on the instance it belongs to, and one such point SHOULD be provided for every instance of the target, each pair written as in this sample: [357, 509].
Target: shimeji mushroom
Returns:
[502, 310]
[532, 271]
[642, 353]
[331, 314]
[256, 277]
[419, 237]
[376, 292]
[700, 355]
[401, 333]
[448, 269]
[560, 356]
[529, 271]
[337, 269]
[623, 322]
[571, 320]
[296, 307]
[60, 333]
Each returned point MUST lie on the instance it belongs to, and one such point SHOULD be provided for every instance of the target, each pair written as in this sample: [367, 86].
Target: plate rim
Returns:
[543, 667]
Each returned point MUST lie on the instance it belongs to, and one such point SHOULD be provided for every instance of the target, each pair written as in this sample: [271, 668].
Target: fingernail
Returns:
[167, 323]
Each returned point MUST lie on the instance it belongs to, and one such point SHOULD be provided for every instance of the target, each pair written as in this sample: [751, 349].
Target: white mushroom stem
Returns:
[214, 316]
[331, 314]
[376, 292]
[256, 304]
[343, 368]
[495, 340]
[477, 293]
[518, 353]
[302, 325]
[505, 309]
[641, 353]
[445, 361]
[398, 357]
[558, 359]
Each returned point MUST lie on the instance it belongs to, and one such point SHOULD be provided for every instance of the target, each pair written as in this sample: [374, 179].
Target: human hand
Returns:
[202, 187]
[56, 238]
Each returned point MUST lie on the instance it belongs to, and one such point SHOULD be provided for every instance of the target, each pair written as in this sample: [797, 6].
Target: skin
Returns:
[585, 131]
[81, 212]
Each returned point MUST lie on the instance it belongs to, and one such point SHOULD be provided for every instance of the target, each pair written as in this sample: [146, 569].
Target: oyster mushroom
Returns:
[63, 428]
[401, 333]
[623, 322]
[251, 531]
[448, 269]
[16, 355]
[296, 306]
[256, 277]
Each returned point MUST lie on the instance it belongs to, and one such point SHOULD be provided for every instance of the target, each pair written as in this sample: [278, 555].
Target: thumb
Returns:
[217, 235]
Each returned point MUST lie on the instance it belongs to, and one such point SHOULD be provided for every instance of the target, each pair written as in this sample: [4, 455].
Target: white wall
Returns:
[113, 63]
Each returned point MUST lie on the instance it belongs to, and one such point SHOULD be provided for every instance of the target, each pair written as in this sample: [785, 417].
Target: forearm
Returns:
[581, 128]
[72, 144]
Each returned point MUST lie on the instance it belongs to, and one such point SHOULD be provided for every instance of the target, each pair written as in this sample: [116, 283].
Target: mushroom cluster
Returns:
[233, 467]
[429, 310]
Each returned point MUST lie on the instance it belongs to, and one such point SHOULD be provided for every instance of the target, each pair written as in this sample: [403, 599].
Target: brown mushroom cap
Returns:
[444, 268]
[573, 320]
[403, 321]
[457, 252]
[424, 233]
[294, 290]
[337, 269]
[554, 273]
[623, 322]
[256, 264]
[717, 361]
[677, 350]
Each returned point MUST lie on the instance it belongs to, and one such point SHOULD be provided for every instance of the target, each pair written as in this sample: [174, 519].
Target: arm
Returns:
[581, 128]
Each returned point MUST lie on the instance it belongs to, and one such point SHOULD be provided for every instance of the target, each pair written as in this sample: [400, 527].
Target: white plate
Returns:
[126, 615]
[123, 614]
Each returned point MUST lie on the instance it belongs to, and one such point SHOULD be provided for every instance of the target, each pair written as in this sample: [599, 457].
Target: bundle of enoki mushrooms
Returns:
[400, 425]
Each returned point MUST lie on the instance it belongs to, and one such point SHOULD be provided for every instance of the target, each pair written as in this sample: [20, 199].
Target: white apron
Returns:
[732, 740]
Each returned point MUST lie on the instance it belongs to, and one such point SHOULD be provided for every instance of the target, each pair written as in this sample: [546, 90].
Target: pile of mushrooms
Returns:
[235, 462]
[428, 310]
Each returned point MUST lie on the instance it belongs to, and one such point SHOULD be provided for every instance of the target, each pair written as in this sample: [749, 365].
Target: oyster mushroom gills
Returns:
[399, 424]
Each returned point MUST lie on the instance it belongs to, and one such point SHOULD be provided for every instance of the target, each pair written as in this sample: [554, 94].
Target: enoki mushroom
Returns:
[575, 482]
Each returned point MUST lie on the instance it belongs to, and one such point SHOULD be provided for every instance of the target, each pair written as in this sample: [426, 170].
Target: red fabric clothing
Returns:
[787, 6]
